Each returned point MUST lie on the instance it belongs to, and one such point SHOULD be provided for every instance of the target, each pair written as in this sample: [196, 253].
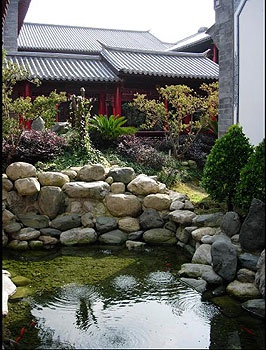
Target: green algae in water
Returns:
[117, 276]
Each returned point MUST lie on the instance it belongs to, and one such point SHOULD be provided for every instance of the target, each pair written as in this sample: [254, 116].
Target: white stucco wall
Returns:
[250, 46]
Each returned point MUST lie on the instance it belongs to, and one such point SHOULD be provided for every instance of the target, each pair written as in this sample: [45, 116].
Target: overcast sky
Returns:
[168, 20]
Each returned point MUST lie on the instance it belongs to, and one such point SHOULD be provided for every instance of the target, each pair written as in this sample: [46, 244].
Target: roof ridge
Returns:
[157, 52]
[93, 28]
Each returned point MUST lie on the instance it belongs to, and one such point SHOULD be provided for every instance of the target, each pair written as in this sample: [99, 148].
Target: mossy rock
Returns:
[228, 305]
[21, 292]
[20, 281]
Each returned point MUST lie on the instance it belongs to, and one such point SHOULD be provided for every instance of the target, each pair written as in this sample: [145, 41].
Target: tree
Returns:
[41, 106]
[227, 157]
[11, 74]
[182, 102]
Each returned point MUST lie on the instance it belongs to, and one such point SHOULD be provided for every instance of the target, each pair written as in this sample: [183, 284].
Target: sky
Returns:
[168, 20]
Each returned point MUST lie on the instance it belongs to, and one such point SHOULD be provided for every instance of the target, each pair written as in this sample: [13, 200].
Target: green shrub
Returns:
[252, 179]
[223, 165]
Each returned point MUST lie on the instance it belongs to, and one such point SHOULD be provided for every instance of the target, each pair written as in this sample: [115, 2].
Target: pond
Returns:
[107, 297]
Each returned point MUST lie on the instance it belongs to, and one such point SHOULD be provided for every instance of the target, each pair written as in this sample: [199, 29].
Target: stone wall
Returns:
[95, 204]
[223, 37]
[11, 27]
[89, 204]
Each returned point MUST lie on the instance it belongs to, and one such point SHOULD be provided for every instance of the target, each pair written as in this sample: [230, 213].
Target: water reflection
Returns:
[140, 306]
[157, 312]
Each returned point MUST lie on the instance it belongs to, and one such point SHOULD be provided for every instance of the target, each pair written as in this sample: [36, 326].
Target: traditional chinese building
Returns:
[112, 65]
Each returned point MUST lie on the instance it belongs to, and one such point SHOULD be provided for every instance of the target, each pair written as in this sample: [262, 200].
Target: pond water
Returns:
[111, 298]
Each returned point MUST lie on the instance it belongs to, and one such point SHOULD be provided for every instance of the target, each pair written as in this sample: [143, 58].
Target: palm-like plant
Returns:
[110, 128]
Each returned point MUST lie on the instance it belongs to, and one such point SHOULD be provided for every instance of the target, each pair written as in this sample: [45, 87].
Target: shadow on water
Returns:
[120, 299]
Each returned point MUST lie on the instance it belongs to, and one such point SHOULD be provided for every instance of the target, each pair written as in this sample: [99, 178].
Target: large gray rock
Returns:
[105, 223]
[212, 220]
[243, 290]
[113, 237]
[248, 261]
[123, 204]
[159, 236]
[93, 172]
[144, 185]
[28, 186]
[78, 236]
[53, 178]
[129, 224]
[12, 227]
[199, 285]
[38, 124]
[252, 232]
[158, 201]
[230, 223]
[66, 222]
[202, 255]
[122, 174]
[194, 270]
[150, 218]
[255, 307]
[18, 204]
[20, 170]
[224, 258]
[260, 274]
[94, 190]
[51, 201]
[182, 216]
[34, 220]
[26, 234]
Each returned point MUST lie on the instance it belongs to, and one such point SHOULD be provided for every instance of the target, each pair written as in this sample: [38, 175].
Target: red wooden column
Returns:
[102, 103]
[215, 54]
[27, 89]
[166, 125]
[117, 106]
[25, 124]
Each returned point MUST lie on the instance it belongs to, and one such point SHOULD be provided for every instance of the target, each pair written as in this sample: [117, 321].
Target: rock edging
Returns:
[115, 206]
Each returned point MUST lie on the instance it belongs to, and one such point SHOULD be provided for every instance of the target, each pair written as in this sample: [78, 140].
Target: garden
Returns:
[217, 174]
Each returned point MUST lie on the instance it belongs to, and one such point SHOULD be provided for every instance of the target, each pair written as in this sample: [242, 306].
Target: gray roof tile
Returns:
[46, 66]
[192, 40]
[164, 64]
[56, 52]
[59, 38]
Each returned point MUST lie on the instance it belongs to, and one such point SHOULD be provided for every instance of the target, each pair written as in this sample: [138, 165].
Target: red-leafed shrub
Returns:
[32, 146]
[135, 149]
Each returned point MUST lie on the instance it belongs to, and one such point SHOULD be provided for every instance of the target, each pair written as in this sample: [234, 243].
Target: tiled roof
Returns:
[66, 53]
[192, 40]
[112, 63]
[163, 64]
[62, 38]
[64, 67]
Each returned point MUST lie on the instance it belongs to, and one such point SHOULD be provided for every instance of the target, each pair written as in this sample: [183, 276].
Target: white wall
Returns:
[250, 21]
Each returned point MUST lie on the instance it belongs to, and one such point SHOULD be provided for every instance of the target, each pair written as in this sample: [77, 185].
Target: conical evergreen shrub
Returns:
[251, 183]
[223, 165]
